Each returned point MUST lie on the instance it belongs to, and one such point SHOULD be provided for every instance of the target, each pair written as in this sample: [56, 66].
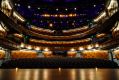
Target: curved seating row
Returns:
[99, 54]
[2, 54]
[116, 54]
[58, 63]
[61, 43]
[23, 54]
[65, 32]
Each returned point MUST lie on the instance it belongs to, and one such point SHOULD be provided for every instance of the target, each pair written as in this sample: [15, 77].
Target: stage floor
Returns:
[59, 74]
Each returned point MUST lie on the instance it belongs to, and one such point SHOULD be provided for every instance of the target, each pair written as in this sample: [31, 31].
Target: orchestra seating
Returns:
[23, 54]
[99, 54]
[2, 54]
[58, 63]
[116, 52]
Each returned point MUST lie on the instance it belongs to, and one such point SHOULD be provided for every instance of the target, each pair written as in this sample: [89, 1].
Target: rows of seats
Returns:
[71, 53]
[58, 63]
[47, 53]
[23, 54]
[2, 54]
[100, 54]
[65, 32]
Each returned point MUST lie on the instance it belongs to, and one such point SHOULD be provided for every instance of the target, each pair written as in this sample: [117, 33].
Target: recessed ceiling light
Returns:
[29, 7]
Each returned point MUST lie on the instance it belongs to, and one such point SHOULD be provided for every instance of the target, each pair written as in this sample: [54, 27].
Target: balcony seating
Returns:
[58, 62]
[116, 54]
[99, 54]
[23, 54]
[71, 53]
[2, 54]
[47, 53]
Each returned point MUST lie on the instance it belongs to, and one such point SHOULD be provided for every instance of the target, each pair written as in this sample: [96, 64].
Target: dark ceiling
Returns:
[86, 10]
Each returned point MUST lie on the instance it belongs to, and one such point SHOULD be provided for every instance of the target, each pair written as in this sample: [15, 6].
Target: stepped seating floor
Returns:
[58, 63]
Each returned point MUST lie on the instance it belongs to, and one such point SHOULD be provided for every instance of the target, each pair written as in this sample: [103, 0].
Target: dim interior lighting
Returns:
[46, 49]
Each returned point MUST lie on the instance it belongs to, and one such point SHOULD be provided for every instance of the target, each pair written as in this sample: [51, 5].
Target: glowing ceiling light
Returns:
[75, 8]
[38, 8]
[66, 9]
[18, 5]
[29, 7]
[57, 9]
[94, 5]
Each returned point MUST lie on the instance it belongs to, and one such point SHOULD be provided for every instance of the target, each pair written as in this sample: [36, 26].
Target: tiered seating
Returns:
[42, 31]
[2, 54]
[23, 54]
[61, 43]
[58, 62]
[116, 54]
[47, 53]
[99, 54]
[76, 31]
[71, 53]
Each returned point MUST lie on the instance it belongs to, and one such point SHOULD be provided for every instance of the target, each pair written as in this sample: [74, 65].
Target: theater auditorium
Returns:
[63, 39]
